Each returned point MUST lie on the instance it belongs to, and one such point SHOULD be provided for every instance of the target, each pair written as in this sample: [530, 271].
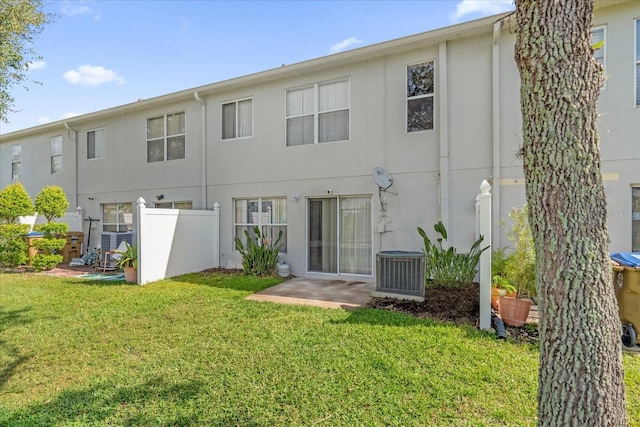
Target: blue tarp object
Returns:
[627, 259]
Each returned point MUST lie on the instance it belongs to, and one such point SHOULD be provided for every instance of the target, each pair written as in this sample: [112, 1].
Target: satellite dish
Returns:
[381, 177]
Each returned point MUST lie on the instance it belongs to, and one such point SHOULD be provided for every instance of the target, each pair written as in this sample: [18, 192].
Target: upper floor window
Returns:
[16, 161]
[318, 113]
[117, 217]
[56, 154]
[268, 214]
[237, 119]
[165, 137]
[420, 83]
[96, 144]
[637, 62]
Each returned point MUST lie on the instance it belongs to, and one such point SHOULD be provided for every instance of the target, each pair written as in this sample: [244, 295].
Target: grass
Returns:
[192, 351]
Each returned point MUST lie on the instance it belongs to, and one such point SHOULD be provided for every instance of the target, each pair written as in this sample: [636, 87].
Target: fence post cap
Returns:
[485, 187]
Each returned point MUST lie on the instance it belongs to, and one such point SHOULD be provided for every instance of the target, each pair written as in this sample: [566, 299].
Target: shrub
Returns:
[15, 202]
[13, 247]
[49, 247]
[259, 256]
[520, 267]
[447, 267]
[51, 202]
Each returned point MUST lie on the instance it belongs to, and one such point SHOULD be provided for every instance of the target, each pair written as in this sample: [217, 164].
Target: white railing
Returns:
[172, 242]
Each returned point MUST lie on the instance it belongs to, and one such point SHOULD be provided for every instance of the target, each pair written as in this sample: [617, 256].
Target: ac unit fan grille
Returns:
[400, 272]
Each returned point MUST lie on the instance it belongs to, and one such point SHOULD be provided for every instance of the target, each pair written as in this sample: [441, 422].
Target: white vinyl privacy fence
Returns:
[483, 228]
[172, 242]
[72, 219]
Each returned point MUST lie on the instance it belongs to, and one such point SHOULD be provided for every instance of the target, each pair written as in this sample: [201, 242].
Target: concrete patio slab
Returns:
[338, 293]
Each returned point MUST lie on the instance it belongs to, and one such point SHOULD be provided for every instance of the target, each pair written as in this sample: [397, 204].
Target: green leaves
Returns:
[259, 256]
[20, 22]
[128, 257]
[15, 202]
[51, 202]
[447, 267]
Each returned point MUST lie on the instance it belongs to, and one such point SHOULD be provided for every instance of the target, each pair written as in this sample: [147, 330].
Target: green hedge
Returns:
[13, 247]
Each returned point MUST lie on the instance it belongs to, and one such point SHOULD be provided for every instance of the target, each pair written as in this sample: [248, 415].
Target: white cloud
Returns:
[343, 45]
[92, 75]
[37, 65]
[42, 120]
[75, 8]
[480, 8]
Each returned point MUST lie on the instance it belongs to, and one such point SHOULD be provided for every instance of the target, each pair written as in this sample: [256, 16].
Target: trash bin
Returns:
[628, 296]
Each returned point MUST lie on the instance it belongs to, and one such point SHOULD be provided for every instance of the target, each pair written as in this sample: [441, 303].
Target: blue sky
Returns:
[104, 53]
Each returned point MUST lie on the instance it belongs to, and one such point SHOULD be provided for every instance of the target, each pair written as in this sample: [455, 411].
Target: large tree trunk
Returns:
[581, 379]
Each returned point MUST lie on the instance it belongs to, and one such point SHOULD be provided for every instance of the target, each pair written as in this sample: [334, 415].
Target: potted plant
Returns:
[127, 260]
[501, 287]
[519, 271]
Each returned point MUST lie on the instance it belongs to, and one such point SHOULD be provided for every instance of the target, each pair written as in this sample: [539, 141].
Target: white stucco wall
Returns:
[436, 173]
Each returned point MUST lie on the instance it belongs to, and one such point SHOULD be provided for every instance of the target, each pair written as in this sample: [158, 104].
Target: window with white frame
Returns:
[166, 137]
[237, 119]
[637, 62]
[173, 205]
[420, 84]
[16, 161]
[117, 217]
[96, 143]
[268, 214]
[318, 113]
[56, 154]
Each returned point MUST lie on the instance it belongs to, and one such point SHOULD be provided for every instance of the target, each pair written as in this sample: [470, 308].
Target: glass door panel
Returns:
[339, 235]
[322, 234]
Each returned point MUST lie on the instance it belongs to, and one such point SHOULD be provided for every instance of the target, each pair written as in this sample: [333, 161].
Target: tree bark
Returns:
[581, 378]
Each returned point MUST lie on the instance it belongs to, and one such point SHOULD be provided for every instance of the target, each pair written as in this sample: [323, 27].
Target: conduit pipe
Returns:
[75, 149]
[203, 183]
[495, 108]
[443, 126]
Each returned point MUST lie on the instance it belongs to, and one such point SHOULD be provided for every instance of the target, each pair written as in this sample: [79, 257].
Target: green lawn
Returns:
[192, 351]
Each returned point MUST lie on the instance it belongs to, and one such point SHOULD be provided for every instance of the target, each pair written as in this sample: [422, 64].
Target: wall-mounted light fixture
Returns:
[159, 196]
[90, 198]
[295, 198]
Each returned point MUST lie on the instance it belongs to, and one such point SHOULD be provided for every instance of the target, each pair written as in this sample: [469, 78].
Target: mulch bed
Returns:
[457, 305]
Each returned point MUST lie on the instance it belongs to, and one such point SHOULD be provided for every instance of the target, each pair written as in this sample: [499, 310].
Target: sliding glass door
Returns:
[339, 235]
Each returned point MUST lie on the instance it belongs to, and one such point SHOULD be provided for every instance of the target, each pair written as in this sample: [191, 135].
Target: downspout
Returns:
[443, 126]
[75, 149]
[495, 101]
[203, 195]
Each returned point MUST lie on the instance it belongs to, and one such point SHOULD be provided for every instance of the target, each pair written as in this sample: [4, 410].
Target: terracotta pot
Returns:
[514, 311]
[496, 293]
[495, 296]
[130, 274]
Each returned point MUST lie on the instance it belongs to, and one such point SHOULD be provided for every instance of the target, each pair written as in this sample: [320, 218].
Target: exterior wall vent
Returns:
[400, 274]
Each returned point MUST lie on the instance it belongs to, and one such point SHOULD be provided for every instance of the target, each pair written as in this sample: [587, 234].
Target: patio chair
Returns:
[106, 260]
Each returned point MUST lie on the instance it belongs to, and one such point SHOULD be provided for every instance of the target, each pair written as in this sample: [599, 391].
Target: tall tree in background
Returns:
[20, 22]
[581, 373]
